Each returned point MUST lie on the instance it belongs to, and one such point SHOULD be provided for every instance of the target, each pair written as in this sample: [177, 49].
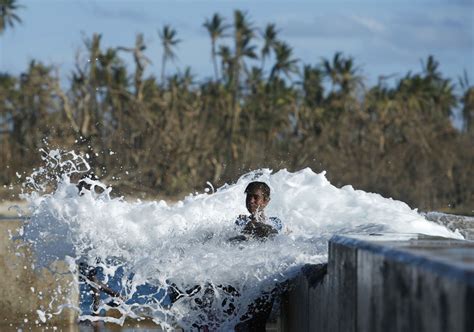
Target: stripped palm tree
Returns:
[91, 84]
[169, 41]
[141, 61]
[8, 16]
[216, 29]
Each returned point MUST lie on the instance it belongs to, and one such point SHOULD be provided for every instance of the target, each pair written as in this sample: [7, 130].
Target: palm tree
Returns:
[216, 30]
[184, 80]
[467, 100]
[269, 41]
[226, 62]
[244, 32]
[342, 73]
[312, 85]
[168, 41]
[468, 110]
[284, 63]
[254, 79]
[93, 46]
[90, 84]
[350, 78]
[141, 61]
[438, 89]
[243, 35]
[430, 69]
[8, 16]
[444, 98]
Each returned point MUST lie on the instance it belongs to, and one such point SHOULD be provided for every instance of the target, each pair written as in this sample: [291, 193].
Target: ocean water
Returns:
[143, 249]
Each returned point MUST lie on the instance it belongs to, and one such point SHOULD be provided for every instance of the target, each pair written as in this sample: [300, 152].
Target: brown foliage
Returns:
[172, 136]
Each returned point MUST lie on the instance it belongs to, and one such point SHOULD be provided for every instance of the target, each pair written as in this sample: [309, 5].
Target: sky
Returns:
[385, 37]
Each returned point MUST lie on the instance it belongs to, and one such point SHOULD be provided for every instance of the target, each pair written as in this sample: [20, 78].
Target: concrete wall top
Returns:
[447, 257]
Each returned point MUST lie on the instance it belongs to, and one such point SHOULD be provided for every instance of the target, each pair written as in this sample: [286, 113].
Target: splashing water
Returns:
[147, 248]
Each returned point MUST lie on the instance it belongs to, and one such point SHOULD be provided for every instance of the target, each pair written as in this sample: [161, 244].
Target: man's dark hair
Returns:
[256, 185]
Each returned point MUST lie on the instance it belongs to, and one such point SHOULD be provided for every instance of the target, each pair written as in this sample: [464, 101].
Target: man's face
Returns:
[256, 200]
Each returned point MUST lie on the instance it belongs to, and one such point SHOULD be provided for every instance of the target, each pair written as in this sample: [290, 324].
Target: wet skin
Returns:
[256, 202]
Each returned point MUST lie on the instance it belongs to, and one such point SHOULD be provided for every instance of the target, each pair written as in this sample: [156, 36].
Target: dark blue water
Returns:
[145, 294]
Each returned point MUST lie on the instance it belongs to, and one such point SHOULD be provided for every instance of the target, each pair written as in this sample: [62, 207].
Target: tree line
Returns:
[261, 107]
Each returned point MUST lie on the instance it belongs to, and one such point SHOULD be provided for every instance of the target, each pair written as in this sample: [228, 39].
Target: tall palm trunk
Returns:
[235, 85]
[163, 63]
[214, 60]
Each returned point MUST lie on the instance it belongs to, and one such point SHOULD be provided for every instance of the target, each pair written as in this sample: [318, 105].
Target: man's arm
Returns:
[259, 230]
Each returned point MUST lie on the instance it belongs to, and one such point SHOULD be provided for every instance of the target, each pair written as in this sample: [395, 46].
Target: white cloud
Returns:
[370, 23]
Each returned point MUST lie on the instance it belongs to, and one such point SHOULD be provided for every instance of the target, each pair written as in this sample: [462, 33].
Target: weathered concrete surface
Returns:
[24, 290]
[402, 282]
[302, 302]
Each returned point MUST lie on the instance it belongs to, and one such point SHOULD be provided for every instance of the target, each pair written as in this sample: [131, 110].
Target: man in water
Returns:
[256, 224]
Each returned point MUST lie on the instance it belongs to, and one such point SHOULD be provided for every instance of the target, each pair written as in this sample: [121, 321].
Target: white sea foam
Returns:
[186, 243]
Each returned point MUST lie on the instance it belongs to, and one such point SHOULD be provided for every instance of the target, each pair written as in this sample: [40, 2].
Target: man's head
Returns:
[258, 196]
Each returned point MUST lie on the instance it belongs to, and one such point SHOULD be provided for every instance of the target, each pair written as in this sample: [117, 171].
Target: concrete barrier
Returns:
[385, 282]
[24, 290]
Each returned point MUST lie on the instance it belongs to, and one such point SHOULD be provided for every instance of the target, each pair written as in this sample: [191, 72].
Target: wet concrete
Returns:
[385, 282]
[24, 289]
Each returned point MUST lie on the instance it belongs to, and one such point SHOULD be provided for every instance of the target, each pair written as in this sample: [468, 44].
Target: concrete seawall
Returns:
[385, 282]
